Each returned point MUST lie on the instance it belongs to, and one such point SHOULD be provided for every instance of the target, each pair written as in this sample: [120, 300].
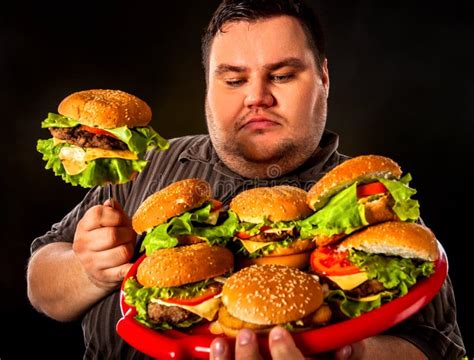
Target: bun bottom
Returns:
[300, 261]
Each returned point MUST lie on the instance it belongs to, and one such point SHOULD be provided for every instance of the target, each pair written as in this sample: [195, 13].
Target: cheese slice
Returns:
[349, 282]
[97, 153]
[207, 309]
[252, 246]
[75, 158]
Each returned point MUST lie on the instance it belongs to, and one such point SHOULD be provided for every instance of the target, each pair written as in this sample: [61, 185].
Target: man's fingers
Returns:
[113, 203]
[111, 277]
[282, 345]
[246, 346]
[103, 216]
[111, 258]
[343, 353]
[110, 237]
[219, 349]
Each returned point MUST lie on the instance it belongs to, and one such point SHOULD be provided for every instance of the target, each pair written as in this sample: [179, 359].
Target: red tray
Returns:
[195, 342]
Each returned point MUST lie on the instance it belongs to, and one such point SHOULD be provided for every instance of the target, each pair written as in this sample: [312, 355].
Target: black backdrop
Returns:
[401, 86]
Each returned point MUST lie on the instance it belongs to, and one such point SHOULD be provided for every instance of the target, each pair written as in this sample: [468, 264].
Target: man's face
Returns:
[266, 100]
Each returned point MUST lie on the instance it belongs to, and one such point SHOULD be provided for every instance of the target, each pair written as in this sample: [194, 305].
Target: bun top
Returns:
[170, 201]
[106, 109]
[184, 265]
[271, 294]
[277, 203]
[363, 169]
[398, 238]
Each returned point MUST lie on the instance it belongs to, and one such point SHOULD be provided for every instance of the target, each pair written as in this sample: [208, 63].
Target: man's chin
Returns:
[263, 152]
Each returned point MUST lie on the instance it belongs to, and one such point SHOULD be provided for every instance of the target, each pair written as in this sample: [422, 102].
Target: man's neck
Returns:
[265, 170]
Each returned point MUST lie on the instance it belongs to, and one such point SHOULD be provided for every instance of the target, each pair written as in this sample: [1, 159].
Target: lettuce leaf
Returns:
[392, 271]
[98, 171]
[344, 213]
[59, 121]
[166, 235]
[406, 208]
[396, 274]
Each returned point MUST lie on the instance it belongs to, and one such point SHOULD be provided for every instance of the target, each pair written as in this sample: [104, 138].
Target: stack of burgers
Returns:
[302, 259]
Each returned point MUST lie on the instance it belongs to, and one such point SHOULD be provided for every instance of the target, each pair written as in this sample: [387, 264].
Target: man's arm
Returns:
[64, 279]
[58, 285]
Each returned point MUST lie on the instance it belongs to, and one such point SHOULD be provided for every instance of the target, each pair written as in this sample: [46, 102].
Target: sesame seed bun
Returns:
[106, 109]
[184, 265]
[277, 203]
[363, 169]
[298, 260]
[398, 238]
[170, 201]
[271, 294]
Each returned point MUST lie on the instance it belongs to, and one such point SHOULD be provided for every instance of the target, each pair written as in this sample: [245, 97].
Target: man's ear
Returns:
[325, 76]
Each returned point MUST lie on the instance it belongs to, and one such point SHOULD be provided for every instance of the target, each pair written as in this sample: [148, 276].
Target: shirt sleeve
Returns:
[434, 329]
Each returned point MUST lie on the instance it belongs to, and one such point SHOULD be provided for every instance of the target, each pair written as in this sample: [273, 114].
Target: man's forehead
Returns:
[267, 40]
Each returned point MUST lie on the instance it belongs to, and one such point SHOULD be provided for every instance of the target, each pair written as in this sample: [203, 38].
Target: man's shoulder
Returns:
[183, 145]
[200, 139]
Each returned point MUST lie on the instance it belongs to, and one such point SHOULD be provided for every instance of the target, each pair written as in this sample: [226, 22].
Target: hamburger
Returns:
[99, 137]
[375, 265]
[260, 297]
[183, 213]
[177, 287]
[268, 232]
[364, 190]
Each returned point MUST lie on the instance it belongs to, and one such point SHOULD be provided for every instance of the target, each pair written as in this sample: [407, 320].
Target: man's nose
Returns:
[259, 94]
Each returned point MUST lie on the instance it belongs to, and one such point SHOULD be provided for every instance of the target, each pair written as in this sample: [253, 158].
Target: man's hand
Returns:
[104, 243]
[281, 345]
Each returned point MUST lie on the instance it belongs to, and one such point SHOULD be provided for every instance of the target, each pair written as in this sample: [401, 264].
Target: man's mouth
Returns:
[258, 123]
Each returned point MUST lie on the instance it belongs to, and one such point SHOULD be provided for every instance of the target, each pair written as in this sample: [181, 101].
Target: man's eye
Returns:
[234, 82]
[281, 78]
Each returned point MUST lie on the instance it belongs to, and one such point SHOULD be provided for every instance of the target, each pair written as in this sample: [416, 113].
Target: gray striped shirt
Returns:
[434, 329]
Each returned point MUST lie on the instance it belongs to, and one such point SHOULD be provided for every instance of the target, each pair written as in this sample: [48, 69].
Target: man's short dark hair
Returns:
[253, 10]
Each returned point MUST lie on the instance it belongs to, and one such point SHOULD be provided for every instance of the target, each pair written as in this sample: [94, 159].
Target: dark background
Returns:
[401, 86]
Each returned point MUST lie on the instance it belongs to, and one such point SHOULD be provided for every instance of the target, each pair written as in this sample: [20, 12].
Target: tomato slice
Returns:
[215, 204]
[326, 260]
[97, 131]
[242, 235]
[210, 292]
[371, 189]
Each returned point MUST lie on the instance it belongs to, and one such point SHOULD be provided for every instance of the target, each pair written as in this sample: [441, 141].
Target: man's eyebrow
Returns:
[291, 62]
[223, 68]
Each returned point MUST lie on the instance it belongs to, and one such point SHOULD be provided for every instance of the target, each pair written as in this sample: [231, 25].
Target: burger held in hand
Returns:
[177, 287]
[99, 137]
[260, 297]
[268, 233]
[361, 191]
[375, 265]
[183, 213]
